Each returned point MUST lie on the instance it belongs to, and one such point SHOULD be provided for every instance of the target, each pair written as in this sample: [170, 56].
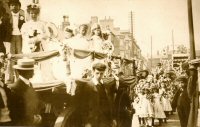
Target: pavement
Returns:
[172, 121]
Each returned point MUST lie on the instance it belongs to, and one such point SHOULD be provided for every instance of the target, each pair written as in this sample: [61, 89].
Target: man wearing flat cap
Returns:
[25, 103]
[95, 107]
[182, 101]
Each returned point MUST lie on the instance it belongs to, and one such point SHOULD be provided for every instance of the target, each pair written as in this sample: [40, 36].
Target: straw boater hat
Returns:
[25, 64]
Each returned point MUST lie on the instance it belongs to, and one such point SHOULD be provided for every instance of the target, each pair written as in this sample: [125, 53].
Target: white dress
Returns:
[77, 65]
[145, 107]
[96, 44]
[158, 108]
[166, 104]
[27, 32]
[165, 100]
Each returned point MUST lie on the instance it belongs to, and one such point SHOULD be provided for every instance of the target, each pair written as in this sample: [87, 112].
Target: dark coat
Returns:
[24, 104]
[123, 108]
[182, 102]
[94, 103]
[5, 33]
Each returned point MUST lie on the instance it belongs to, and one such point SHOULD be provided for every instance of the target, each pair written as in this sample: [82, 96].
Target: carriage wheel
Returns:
[65, 118]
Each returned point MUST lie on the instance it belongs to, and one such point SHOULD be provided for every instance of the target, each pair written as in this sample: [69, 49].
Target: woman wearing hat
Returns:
[24, 100]
[34, 31]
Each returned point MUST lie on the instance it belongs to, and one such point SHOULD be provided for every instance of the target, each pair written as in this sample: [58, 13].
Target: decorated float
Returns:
[55, 79]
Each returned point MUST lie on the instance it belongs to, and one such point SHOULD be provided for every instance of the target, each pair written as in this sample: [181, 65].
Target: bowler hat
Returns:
[25, 64]
[14, 2]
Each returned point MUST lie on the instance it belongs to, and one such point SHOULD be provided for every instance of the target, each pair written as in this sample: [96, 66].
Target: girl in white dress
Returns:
[146, 108]
[158, 107]
[165, 99]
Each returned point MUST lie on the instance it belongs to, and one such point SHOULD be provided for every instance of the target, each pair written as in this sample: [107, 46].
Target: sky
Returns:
[152, 18]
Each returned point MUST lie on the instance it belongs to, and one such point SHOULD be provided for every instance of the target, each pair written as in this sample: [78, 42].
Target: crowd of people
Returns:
[159, 94]
[154, 95]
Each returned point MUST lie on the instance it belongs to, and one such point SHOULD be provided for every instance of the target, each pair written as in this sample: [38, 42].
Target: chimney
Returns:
[65, 18]
[36, 1]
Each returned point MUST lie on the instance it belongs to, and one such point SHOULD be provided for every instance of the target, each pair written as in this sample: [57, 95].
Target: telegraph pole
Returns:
[193, 86]
[191, 31]
[151, 51]
[172, 41]
[132, 41]
[132, 34]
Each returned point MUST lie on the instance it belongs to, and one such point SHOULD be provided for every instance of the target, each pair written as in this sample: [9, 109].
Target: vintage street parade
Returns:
[94, 73]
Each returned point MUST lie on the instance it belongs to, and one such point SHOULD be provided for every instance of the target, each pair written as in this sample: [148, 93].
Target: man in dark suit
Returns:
[94, 105]
[24, 101]
[182, 101]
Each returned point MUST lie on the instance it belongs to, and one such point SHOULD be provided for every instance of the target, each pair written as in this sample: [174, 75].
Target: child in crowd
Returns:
[158, 107]
[146, 108]
[165, 99]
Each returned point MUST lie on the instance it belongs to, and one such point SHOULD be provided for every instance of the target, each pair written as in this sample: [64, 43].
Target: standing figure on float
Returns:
[96, 38]
[33, 31]
[80, 41]
[34, 37]
[78, 64]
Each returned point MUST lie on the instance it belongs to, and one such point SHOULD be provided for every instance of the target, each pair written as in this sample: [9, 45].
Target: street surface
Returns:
[173, 121]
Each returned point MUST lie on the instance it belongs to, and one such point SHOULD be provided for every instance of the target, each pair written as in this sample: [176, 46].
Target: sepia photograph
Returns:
[100, 63]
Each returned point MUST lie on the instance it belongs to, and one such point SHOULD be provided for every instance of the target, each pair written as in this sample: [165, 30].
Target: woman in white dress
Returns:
[33, 31]
[96, 39]
[34, 37]
[80, 42]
